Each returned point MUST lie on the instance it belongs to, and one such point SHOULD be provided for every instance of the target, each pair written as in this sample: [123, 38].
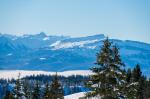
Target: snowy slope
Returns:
[9, 74]
[79, 95]
[75, 96]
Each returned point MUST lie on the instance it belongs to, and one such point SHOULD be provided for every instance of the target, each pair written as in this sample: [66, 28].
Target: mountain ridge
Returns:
[60, 53]
[67, 36]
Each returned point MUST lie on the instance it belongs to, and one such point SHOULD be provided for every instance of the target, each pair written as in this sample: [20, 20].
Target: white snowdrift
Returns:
[75, 96]
[79, 95]
[9, 74]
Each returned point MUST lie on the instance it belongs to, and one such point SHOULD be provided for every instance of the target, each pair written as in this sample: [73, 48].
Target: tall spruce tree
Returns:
[147, 89]
[56, 90]
[137, 73]
[129, 75]
[8, 95]
[46, 92]
[18, 94]
[130, 86]
[36, 91]
[26, 89]
[108, 78]
[141, 88]
[140, 82]
[135, 84]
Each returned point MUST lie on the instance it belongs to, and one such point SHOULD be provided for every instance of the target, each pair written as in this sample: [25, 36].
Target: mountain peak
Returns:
[42, 34]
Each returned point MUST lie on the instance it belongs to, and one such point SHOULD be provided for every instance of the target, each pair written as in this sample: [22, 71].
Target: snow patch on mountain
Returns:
[24, 36]
[91, 47]
[45, 38]
[15, 38]
[42, 58]
[55, 44]
[61, 45]
[9, 54]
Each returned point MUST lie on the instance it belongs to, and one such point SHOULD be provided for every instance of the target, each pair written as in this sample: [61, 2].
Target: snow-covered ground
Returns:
[79, 95]
[75, 96]
[9, 74]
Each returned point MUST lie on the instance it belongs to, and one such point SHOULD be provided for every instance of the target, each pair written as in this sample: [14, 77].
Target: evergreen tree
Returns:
[56, 91]
[117, 73]
[109, 74]
[129, 76]
[26, 89]
[135, 84]
[137, 73]
[8, 95]
[147, 89]
[141, 88]
[18, 88]
[130, 86]
[140, 80]
[36, 91]
[46, 91]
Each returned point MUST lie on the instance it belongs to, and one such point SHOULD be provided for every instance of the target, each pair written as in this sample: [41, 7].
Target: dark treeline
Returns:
[26, 86]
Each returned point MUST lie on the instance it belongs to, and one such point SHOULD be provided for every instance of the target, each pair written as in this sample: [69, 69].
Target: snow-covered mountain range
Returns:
[60, 53]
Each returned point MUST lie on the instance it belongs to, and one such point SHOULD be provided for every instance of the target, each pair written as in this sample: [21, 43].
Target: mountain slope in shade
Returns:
[60, 53]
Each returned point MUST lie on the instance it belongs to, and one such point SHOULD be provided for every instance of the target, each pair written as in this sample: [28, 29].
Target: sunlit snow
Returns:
[42, 58]
[75, 96]
[79, 95]
[60, 45]
[9, 54]
[46, 38]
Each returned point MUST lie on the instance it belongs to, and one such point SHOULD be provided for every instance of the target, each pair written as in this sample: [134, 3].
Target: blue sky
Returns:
[122, 19]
